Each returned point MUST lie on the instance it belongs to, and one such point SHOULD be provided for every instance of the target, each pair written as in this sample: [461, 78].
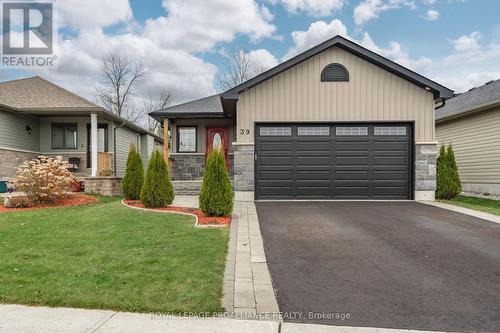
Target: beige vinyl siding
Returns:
[372, 94]
[476, 142]
[124, 138]
[13, 134]
[201, 133]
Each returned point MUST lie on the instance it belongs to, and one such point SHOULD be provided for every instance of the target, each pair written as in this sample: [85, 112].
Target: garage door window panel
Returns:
[390, 131]
[313, 131]
[351, 131]
[275, 131]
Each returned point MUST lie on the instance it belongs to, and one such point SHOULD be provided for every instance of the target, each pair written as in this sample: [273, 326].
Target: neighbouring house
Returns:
[471, 123]
[38, 117]
[335, 122]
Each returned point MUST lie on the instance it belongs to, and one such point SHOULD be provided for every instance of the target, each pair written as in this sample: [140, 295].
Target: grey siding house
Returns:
[335, 122]
[38, 117]
[471, 123]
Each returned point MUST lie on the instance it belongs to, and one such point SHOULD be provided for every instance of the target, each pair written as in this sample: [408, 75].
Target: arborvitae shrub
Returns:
[157, 190]
[134, 175]
[216, 195]
[448, 179]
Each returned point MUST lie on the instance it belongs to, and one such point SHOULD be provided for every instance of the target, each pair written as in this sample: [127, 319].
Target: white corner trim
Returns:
[20, 150]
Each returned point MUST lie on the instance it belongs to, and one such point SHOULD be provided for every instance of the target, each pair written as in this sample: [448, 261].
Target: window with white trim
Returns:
[351, 131]
[275, 131]
[313, 131]
[390, 130]
[186, 140]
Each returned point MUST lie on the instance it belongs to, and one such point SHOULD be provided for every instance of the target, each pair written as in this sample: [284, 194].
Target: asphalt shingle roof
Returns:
[211, 104]
[469, 100]
[38, 93]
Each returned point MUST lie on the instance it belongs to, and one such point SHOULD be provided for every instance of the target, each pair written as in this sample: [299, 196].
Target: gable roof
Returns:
[39, 96]
[38, 93]
[476, 98]
[438, 90]
[208, 106]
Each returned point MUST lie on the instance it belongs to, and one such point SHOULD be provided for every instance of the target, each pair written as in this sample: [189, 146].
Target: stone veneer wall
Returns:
[190, 167]
[10, 160]
[244, 179]
[425, 171]
[110, 186]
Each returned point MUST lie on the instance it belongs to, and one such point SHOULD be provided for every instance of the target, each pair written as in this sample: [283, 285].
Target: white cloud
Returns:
[396, 53]
[90, 14]
[318, 32]
[321, 31]
[261, 59]
[432, 15]
[311, 7]
[368, 10]
[429, 2]
[197, 25]
[468, 42]
[184, 75]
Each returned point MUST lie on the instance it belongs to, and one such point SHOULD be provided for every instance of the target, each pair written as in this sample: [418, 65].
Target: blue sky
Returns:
[184, 43]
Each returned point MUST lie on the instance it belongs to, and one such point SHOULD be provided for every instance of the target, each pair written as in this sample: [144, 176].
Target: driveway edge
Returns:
[463, 210]
[251, 287]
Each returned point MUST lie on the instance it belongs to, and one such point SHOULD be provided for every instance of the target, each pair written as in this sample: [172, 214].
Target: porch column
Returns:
[93, 143]
[166, 148]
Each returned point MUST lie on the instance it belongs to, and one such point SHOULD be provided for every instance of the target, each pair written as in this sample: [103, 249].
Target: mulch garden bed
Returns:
[202, 218]
[66, 201]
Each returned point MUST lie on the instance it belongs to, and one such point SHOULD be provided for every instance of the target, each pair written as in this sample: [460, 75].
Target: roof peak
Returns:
[438, 90]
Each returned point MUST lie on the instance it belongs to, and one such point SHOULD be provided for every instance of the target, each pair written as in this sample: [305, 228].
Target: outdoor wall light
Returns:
[28, 129]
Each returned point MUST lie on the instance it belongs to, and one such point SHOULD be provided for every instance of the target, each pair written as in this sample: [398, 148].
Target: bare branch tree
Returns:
[119, 77]
[151, 105]
[237, 70]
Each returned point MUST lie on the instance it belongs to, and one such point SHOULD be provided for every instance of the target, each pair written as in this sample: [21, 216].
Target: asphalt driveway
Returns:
[392, 264]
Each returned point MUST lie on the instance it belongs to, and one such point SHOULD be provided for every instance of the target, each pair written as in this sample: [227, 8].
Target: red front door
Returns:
[217, 139]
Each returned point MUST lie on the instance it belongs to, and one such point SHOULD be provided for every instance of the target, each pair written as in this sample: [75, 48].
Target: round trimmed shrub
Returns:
[216, 195]
[134, 175]
[157, 190]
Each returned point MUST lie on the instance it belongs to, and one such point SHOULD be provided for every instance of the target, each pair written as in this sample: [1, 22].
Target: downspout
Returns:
[114, 145]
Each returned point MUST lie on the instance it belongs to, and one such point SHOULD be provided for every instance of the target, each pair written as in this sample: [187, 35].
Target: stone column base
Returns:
[425, 195]
[244, 196]
[109, 186]
[425, 170]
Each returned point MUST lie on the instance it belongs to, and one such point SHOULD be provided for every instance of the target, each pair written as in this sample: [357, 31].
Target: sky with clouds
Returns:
[183, 43]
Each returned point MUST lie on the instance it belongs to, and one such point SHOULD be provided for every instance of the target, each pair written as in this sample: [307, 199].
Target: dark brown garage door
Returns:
[333, 161]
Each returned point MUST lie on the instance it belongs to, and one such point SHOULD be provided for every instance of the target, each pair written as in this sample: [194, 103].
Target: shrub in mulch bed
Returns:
[202, 218]
[66, 201]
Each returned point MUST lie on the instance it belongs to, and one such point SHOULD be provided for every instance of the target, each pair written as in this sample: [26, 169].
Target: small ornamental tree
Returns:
[216, 195]
[134, 175]
[448, 179]
[44, 180]
[456, 183]
[157, 190]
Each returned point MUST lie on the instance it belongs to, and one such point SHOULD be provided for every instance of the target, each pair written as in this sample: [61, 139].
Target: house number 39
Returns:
[244, 131]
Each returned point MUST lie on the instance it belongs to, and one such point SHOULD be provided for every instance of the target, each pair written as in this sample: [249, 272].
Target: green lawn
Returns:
[485, 205]
[108, 256]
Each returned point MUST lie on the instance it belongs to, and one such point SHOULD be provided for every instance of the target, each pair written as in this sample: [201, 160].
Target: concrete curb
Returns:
[21, 318]
[463, 210]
